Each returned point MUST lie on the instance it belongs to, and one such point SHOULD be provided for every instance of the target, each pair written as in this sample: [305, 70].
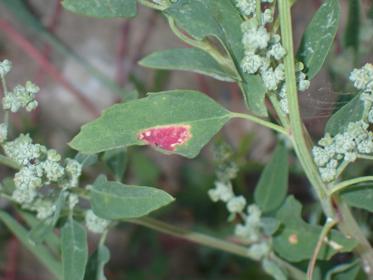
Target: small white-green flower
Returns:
[44, 208]
[222, 191]
[73, 170]
[53, 170]
[256, 39]
[277, 51]
[21, 97]
[267, 16]
[361, 77]
[23, 151]
[251, 62]
[5, 67]
[236, 204]
[94, 223]
[247, 7]
[260, 250]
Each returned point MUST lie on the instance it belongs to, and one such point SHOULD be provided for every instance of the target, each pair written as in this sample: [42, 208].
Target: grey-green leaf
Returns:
[271, 189]
[102, 8]
[359, 197]
[222, 20]
[187, 59]
[192, 115]
[351, 112]
[113, 200]
[319, 36]
[96, 263]
[74, 250]
[39, 250]
[296, 240]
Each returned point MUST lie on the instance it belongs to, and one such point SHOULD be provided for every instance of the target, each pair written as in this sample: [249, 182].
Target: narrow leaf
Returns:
[296, 240]
[319, 36]
[102, 8]
[74, 250]
[38, 250]
[351, 112]
[178, 121]
[359, 197]
[96, 263]
[272, 187]
[191, 59]
[113, 200]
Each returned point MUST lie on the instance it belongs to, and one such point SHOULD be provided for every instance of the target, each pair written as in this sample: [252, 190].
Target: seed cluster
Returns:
[333, 152]
[264, 52]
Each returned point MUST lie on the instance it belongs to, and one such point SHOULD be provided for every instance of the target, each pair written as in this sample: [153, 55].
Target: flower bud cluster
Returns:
[250, 231]
[21, 97]
[356, 140]
[264, 53]
[95, 223]
[39, 167]
[5, 67]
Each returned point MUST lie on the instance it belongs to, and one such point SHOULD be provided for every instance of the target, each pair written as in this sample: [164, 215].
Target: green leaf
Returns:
[86, 160]
[74, 250]
[319, 36]
[359, 197]
[193, 116]
[352, 33]
[344, 272]
[38, 250]
[351, 112]
[271, 189]
[96, 263]
[187, 59]
[113, 200]
[296, 241]
[145, 171]
[102, 8]
[220, 19]
[273, 269]
[117, 161]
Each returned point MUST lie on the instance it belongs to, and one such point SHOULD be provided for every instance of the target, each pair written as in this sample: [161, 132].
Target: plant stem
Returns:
[257, 120]
[340, 211]
[8, 162]
[212, 242]
[296, 124]
[341, 186]
[325, 231]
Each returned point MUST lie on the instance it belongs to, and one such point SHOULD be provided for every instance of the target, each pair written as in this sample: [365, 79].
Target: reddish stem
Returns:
[123, 53]
[51, 26]
[48, 68]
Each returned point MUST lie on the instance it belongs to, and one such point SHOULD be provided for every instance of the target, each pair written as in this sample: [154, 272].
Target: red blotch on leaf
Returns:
[166, 137]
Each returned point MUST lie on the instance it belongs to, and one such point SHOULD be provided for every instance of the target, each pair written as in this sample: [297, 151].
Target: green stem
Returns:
[9, 162]
[211, 242]
[341, 186]
[346, 222]
[5, 91]
[257, 120]
[296, 124]
[325, 231]
[368, 157]
[194, 237]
